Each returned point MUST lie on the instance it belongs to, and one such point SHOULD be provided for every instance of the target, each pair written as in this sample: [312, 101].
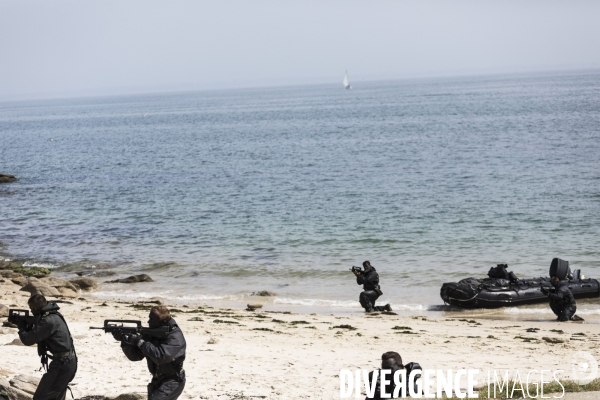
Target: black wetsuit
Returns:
[390, 387]
[562, 302]
[50, 333]
[165, 362]
[370, 281]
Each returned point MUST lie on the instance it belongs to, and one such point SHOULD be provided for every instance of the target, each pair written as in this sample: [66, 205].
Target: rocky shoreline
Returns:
[38, 281]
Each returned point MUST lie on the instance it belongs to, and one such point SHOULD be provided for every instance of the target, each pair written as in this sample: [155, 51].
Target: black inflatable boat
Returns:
[504, 289]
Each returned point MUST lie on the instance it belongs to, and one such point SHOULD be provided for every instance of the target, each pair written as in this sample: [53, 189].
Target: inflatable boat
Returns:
[504, 289]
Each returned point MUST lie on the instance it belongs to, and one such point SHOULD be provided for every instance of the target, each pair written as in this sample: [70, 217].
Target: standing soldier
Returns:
[164, 356]
[51, 333]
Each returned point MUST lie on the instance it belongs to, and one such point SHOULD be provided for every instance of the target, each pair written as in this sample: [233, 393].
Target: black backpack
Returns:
[499, 272]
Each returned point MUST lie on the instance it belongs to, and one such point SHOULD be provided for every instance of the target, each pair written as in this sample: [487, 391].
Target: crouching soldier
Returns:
[164, 356]
[369, 278]
[562, 301]
[51, 333]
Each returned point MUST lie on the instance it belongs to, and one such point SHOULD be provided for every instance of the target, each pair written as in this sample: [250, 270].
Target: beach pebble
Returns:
[212, 341]
[3, 311]
[25, 383]
[84, 283]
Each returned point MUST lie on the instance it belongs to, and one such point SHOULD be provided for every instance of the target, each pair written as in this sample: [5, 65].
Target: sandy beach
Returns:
[234, 353]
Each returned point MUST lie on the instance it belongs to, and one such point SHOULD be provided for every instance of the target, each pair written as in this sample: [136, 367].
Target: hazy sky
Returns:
[57, 48]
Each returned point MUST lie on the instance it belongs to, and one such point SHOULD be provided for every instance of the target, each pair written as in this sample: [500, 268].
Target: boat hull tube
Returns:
[494, 293]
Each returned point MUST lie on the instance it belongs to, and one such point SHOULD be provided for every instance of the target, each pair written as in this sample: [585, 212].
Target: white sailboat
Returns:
[346, 83]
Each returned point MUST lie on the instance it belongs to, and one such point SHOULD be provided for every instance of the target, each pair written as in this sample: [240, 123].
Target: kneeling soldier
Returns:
[164, 356]
[50, 333]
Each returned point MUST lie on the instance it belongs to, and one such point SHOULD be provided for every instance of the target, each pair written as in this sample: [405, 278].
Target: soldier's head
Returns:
[391, 360]
[36, 303]
[159, 316]
[367, 265]
[554, 281]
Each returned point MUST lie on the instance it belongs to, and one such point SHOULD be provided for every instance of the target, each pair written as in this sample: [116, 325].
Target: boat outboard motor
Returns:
[560, 268]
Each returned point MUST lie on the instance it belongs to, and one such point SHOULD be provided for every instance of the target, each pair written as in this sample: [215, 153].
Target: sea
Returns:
[218, 195]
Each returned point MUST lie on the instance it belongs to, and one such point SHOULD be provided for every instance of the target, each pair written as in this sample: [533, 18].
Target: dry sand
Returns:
[231, 353]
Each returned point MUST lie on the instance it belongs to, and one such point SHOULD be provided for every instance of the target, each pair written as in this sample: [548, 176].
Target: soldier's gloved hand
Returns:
[118, 335]
[134, 340]
[22, 325]
[545, 291]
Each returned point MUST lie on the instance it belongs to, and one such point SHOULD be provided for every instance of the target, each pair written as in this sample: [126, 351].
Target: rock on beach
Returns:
[40, 288]
[26, 383]
[133, 279]
[84, 283]
[5, 178]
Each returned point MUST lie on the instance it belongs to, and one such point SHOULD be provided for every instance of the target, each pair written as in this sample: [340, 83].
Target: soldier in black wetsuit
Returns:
[562, 301]
[164, 356]
[391, 361]
[369, 278]
[51, 334]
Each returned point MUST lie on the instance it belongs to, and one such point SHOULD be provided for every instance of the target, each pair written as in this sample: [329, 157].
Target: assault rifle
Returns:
[132, 327]
[360, 271]
[547, 290]
[15, 316]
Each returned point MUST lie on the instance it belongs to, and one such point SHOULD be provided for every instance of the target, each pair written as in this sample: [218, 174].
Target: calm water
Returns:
[218, 194]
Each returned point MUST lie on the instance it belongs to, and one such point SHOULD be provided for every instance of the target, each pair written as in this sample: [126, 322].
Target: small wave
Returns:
[32, 264]
[588, 312]
[317, 302]
[515, 310]
[347, 304]
[167, 295]
[411, 307]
